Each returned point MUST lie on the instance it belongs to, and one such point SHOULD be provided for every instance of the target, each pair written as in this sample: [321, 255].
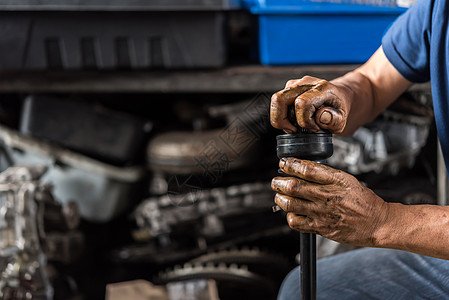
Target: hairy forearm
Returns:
[370, 89]
[422, 229]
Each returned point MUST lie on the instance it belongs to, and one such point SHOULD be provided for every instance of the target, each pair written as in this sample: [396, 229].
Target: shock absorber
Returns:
[316, 146]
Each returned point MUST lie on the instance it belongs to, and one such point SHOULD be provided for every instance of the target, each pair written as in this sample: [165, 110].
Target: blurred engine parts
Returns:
[135, 290]
[258, 273]
[101, 191]
[200, 152]
[158, 215]
[179, 226]
[34, 229]
[217, 150]
[407, 190]
[23, 262]
[247, 282]
[62, 242]
[186, 218]
[106, 135]
[387, 145]
[199, 289]
[254, 113]
[265, 263]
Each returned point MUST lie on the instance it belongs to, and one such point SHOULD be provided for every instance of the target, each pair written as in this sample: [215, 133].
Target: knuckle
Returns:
[322, 82]
[290, 82]
[346, 179]
[308, 78]
[307, 169]
[288, 205]
[275, 98]
[292, 186]
[323, 194]
[274, 122]
[304, 104]
[322, 85]
[301, 101]
[305, 117]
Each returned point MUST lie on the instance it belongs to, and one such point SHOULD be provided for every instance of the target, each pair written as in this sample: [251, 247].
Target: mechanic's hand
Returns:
[318, 104]
[329, 202]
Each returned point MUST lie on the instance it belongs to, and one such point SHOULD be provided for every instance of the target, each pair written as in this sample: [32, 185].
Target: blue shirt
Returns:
[417, 45]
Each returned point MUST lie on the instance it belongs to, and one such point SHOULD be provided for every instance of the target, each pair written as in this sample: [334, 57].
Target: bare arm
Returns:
[374, 86]
[422, 229]
[344, 104]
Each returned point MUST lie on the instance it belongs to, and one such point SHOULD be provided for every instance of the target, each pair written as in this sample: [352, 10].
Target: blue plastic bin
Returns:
[323, 33]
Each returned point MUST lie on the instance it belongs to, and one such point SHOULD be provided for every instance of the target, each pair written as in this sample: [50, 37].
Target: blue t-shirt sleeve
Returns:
[406, 43]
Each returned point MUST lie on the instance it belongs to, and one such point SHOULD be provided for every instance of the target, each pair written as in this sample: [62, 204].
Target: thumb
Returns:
[330, 119]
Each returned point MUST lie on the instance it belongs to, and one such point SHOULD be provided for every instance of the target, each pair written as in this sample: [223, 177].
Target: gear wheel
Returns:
[264, 263]
[232, 280]
[257, 272]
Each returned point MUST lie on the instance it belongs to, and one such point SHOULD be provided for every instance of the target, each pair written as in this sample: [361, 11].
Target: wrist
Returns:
[345, 90]
[387, 232]
[356, 91]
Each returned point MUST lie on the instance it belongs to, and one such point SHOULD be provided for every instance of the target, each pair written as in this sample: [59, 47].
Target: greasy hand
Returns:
[329, 202]
[318, 104]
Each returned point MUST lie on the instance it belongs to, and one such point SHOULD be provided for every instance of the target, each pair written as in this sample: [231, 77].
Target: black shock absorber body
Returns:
[317, 147]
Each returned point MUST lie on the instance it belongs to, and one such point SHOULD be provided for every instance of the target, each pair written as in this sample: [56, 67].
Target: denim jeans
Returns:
[371, 273]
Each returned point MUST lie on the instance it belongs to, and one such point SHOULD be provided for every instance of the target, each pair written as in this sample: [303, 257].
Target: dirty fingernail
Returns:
[326, 117]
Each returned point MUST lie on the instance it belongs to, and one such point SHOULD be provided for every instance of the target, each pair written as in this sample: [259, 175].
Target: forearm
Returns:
[422, 229]
[361, 96]
[371, 89]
